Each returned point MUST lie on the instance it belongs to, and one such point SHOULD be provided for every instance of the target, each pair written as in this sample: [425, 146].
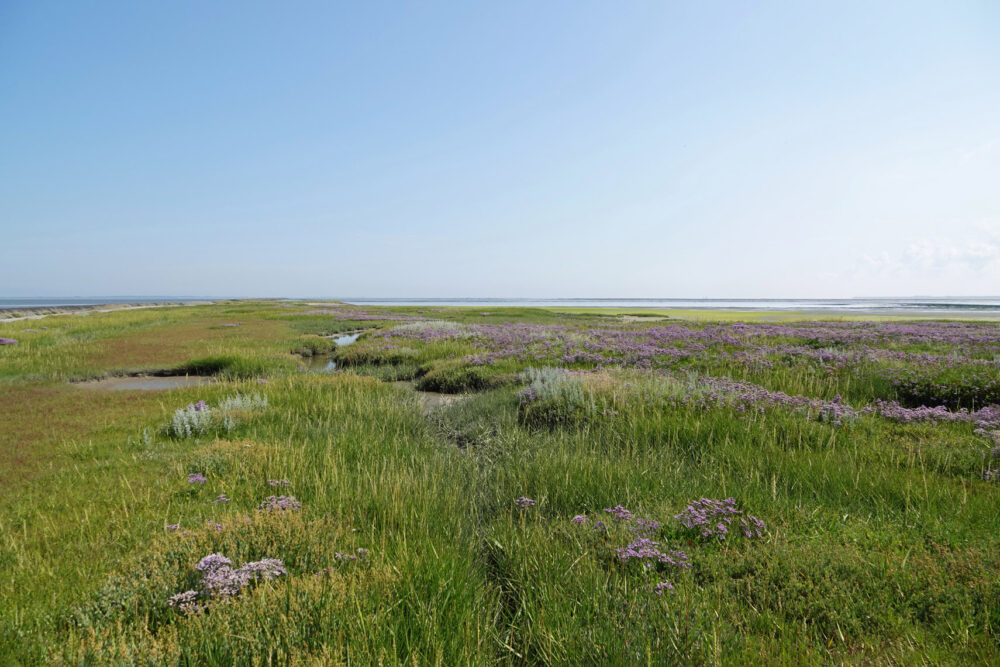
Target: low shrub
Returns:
[308, 346]
[231, 366]
[362, 355]
[457, 378]
[954, 388]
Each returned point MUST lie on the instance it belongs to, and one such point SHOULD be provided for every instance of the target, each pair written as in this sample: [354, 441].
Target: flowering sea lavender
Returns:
[280, 503]
[219, 579]
[8, 341]
[579, 518]
[662, 587]
[985, 418]
[524, 503]
[185, 603]
[212, 562]
[196, 478]
[645, 549]
[712, 518]
[641, 525]
[619, 513]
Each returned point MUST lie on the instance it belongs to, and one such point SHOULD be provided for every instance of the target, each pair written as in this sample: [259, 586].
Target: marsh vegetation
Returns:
[605, 491]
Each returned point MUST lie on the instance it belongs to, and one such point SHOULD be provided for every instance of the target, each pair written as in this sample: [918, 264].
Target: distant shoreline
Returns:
[16, 314]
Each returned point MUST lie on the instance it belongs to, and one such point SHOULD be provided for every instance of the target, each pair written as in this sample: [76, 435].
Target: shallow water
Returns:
[146, 382]
[343, 340]
[322, 363]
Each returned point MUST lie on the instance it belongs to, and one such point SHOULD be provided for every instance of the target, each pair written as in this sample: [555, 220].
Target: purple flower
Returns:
[280, 503]
[212, 562]
[524, 503]
[7, 341]
[713, 517]
[173, 527]
[619, 513]
[185, 602]
[579, 518]
[196, 478]
[219, 579]
[221, 499]
[645, 526]
[663, 586]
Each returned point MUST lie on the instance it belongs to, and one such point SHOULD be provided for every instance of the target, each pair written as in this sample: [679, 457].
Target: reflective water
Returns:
[322, 363]
[146, 382]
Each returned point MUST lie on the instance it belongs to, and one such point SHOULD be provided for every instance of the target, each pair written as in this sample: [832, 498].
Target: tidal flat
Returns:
[602, 488]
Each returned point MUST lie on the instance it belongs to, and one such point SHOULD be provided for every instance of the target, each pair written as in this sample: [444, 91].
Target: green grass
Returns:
[883, 542]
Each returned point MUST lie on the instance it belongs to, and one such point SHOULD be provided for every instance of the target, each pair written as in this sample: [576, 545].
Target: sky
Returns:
[500, 149]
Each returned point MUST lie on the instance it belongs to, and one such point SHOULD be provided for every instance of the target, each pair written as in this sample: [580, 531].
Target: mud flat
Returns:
[146, 382]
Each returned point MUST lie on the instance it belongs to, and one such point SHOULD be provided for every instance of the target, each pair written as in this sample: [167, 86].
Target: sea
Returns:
[927, 306]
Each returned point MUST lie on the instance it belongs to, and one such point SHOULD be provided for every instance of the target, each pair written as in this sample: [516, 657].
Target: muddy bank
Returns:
[146, 382]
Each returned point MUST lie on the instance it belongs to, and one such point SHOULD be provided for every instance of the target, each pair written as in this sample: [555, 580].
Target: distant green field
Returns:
[525, 486]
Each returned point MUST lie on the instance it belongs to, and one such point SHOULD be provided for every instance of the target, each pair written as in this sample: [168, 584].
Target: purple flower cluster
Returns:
[220, 580]
[221, 498]
[524, 503]
[8, 341]
[279, 504]
[984, 418]
[186, 602]
[832, 345]
[663, 586]
[619, 513]
[196, 478]
[641, 525]
[645, 550]
[198, 407]
[712, 518]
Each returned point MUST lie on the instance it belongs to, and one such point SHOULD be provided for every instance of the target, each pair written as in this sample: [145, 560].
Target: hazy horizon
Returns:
[581, 149]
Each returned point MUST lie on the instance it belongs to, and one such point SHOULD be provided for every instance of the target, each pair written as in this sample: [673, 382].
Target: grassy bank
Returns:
[480, 532]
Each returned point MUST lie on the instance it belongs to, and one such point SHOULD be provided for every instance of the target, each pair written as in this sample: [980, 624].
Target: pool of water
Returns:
[323, 363]
[146, 382]
[344, 339]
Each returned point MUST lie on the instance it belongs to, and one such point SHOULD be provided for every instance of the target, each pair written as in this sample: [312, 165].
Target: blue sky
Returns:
[545, 149]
